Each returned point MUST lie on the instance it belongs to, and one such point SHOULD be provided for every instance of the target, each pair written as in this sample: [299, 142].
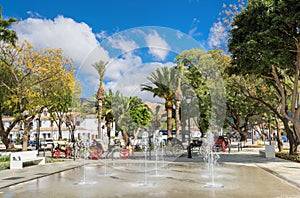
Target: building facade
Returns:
[86, 128]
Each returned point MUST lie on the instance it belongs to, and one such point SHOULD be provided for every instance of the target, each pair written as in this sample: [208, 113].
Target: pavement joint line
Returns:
[279, 176]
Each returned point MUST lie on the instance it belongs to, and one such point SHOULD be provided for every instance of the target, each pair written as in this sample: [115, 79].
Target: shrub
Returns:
[287, 156]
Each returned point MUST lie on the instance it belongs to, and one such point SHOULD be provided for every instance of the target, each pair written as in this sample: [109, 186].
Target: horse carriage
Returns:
[174, 147]
[60, 147]
[67, 149]
[221, 143]
[99, 149]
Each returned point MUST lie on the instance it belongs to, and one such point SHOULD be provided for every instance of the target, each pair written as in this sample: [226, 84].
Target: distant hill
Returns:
[154, 107]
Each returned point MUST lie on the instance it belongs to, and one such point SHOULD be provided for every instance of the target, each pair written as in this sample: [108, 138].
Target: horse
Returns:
[76, 147]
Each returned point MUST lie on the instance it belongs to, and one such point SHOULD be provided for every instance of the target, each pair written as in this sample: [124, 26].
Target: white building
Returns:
[85, 128]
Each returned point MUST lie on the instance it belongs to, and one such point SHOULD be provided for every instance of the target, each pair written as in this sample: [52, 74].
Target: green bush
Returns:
[4, 162]
[287, 156]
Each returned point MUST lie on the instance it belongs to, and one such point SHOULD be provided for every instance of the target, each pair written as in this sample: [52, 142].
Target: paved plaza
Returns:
[241, 174]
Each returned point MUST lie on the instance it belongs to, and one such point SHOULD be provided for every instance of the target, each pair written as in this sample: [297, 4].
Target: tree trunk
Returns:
[183, 126]
[295, 100]
[177, 117]
[5, 132]
[100, 136]
[108, 127]
[279, 138]
[169, 122]
[59, 131]
[290, 135]
[169, 108]
[25, 135]
[296, 134]
[125, 137]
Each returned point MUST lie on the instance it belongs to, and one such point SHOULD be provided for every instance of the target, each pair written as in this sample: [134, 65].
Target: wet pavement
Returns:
[240, 174]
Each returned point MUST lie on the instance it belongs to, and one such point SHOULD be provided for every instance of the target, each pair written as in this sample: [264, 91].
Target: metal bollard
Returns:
[189, 149]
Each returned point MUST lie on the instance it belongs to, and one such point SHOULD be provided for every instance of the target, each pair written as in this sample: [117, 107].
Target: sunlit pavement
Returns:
[285, 171]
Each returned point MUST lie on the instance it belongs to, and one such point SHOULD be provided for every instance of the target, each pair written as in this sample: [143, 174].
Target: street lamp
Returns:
[269, 128]
[38, 129]
[188, 101]
[252, 136]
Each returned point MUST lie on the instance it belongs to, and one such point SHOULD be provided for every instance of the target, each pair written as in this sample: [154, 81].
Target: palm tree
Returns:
[100, 67]
[164, 80]
[107, 113]
[178, 97]
[182, 69]
[121, 108]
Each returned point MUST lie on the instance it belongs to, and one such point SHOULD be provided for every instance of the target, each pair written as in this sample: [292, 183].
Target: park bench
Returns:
[268, 152]
[18, 158]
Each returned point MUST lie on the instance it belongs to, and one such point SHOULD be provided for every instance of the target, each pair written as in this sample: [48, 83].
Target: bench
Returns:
[262, 153]
[269, 152]
[18, 158]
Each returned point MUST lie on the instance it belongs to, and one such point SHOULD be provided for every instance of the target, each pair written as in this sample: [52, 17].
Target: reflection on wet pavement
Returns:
[169, 180]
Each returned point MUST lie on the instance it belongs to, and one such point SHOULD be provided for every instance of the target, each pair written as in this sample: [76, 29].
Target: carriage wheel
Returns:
[168, 150]
[177, 150]
[124, 153]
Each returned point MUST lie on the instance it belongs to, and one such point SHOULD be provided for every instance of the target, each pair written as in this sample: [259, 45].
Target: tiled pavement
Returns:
[286, 170]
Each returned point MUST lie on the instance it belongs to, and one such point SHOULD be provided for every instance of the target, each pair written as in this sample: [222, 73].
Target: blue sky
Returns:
[133, 36]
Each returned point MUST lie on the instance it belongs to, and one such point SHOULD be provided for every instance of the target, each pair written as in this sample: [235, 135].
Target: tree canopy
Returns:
[265, 44]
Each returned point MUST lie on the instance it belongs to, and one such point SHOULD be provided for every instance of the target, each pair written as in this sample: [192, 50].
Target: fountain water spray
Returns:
[145, 144]
[85, 155]
[211, 158]
[157, 140]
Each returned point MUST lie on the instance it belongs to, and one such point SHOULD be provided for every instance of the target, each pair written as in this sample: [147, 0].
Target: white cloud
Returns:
[122, 43]
[217, 35]
[118, 67]
[34, 14]
[102, 35]
[124, 73]
[129, 83]
[193, 32]
[158, 47]
[75, 39]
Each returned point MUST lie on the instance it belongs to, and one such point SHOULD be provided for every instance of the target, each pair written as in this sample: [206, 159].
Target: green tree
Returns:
[6, 35]
[130, 114]
[164, 81]
[100, 67]
[178, 94]
[265, 43]
[196, 83]
[240, 109]
[29, 73]
[60, 95]
[107, 112]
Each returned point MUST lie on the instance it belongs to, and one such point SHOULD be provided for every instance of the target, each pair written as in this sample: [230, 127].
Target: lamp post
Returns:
[38, 123]
[188, 101]
[264, 119]
[252, 136]
[251, 132]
